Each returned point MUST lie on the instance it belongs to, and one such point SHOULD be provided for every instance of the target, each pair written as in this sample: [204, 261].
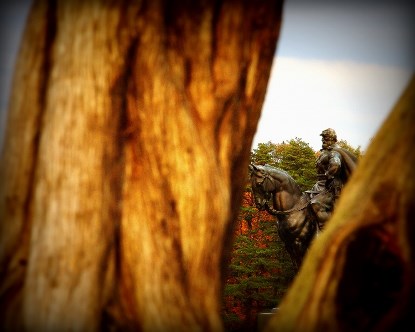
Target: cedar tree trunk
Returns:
[126, 152]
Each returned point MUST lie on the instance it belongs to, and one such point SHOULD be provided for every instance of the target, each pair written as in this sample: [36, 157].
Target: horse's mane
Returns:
[275, 171]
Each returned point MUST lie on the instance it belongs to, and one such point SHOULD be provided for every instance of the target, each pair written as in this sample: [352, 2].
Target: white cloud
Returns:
[306, 96]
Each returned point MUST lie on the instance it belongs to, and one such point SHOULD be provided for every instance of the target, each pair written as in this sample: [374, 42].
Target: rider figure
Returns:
[334, 166]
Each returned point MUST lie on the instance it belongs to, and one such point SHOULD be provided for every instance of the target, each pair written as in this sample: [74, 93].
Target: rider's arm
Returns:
[334, 165]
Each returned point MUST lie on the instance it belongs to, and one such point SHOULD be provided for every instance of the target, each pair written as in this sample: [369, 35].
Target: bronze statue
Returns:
[334, 166]
[300, 216]
[296, 221]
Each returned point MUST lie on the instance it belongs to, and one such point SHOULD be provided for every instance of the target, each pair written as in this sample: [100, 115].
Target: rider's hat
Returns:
[329, 133]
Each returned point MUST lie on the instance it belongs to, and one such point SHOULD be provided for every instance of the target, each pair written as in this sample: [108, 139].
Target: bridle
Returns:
[260, 184]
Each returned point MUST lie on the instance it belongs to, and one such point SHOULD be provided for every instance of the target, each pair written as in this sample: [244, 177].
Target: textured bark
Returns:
[360, 273]
[126, 150]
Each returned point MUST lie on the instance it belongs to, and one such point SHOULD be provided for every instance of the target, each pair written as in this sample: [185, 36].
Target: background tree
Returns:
[298, 159]
[124, 160]
[265, 153]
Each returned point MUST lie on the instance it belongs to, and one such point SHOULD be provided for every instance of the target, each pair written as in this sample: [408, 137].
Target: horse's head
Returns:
[260, 186]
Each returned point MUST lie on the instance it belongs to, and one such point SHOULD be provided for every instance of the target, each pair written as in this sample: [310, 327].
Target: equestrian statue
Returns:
[302, 215]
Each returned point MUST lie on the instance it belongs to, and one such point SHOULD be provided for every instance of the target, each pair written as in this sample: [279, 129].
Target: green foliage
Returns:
[259, 274]
[265, 153]
[298, 159]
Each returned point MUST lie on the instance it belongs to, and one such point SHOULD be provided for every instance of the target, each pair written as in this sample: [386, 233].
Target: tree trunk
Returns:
[126, 151]
[360, 273]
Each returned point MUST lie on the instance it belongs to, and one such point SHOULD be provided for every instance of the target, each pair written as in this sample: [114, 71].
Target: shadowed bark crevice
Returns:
[372, 279]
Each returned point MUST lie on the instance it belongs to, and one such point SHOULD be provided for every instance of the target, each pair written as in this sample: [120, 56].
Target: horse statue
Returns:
[297, 223]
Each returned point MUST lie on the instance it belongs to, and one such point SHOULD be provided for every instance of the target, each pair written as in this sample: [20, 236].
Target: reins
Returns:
[286, 212]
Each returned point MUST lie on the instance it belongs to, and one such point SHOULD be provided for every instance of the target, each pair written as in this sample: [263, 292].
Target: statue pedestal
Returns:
[264, 317]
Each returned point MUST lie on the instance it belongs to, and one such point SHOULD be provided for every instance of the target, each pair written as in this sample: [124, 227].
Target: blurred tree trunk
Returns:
[360, 273]
[128, 136]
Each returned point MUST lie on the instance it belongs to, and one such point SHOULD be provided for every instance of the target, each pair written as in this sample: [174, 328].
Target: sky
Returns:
[340, 65]
[13, 14]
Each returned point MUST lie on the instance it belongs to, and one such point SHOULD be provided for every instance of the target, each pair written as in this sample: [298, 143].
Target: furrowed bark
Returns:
[125, 156]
